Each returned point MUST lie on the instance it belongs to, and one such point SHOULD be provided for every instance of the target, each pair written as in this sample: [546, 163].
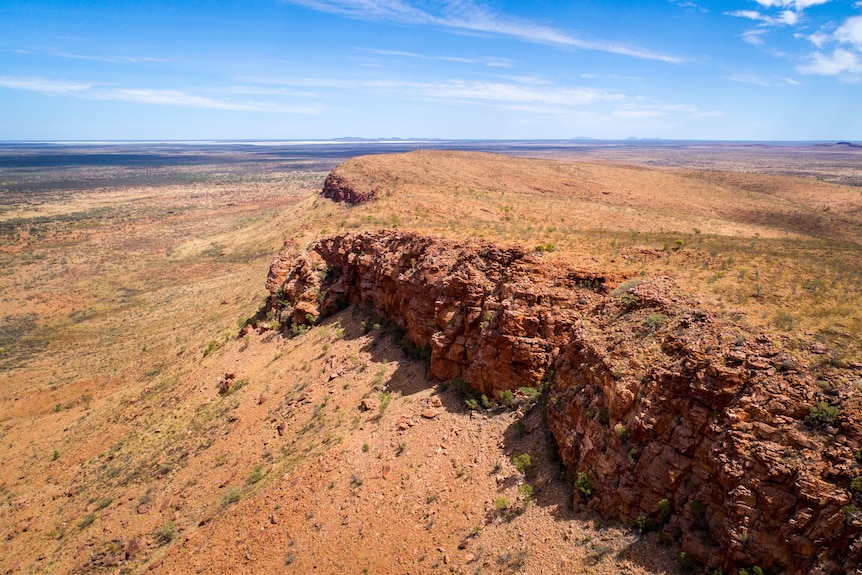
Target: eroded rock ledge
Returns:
[340, 189]
[665, 417]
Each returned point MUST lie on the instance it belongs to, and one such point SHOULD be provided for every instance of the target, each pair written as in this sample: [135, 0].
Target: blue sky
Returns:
[295, 69]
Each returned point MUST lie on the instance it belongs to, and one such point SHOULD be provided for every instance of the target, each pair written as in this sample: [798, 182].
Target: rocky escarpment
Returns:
[340, 189]
[666, 418]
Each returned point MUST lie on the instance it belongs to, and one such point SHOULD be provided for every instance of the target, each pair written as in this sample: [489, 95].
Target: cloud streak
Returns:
[467, 16]
[527, 94]
[159, 97]
[500, 92]
[44, 85]
[487, 61]
[110, 59]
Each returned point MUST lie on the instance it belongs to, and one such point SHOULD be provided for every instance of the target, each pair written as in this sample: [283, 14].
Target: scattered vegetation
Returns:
[522, 462]
[584, 483]
[385, 399]
[231, 497]
[644, 524]
[211, 347]
[526, 491]
[255, 476]
[821, 414]
[166, 533]
[655, 321]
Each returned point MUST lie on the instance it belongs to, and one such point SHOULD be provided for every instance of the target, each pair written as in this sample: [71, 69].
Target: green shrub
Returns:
[506, 397]
[298, 329]
[501, 504]
[664, 510]
[526, 491]
[385, 400]
[211, 347]
[625, 287]
[256, 475]
[585, 484]
[166, 534]
[655, 321]
[231, 497]
[522, 462]
[622, 432]
[821, 414]
[643, 524]
[629, 301]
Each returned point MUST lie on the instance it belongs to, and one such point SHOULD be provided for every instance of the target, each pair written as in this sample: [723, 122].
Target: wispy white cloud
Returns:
[92, 91]
[844, 60]
[640, 110]
[689, 5]
[499, 92]
[850, 32]
[526, 79]
[111, 59]
[754, 37]
[783, 18]
[300, 82]
[590, 76]
[491, 61]
[179, 98]
[819, 39]
[44, 85]
[466, 15]
[527, 95]
[797, 5]
[840, 62]
[270, 91]
[838, 45]
[750, 79]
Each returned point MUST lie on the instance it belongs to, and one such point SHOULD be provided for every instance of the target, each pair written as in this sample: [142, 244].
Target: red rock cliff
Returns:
[665, 417]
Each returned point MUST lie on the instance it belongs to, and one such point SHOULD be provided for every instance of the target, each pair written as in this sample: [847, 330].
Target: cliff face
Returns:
[340, 189]
[666, 418]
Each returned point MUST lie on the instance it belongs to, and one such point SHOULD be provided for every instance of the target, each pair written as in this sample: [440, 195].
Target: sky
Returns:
[454, 69]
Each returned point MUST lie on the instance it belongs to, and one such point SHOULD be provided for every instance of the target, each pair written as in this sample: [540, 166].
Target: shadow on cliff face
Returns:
[525, 433]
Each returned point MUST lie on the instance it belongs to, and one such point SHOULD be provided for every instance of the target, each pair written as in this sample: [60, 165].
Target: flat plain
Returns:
[128, 273]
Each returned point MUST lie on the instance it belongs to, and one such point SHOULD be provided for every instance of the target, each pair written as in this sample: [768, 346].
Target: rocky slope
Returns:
[666, 417]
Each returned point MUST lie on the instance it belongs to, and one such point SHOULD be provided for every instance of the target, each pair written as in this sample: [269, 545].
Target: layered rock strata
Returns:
[666, 418]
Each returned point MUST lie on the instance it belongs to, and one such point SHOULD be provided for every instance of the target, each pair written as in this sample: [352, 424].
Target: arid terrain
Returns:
[159, 412]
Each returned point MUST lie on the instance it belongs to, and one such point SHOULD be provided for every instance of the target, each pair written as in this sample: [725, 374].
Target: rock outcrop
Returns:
[340, 189]
[667, 418]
